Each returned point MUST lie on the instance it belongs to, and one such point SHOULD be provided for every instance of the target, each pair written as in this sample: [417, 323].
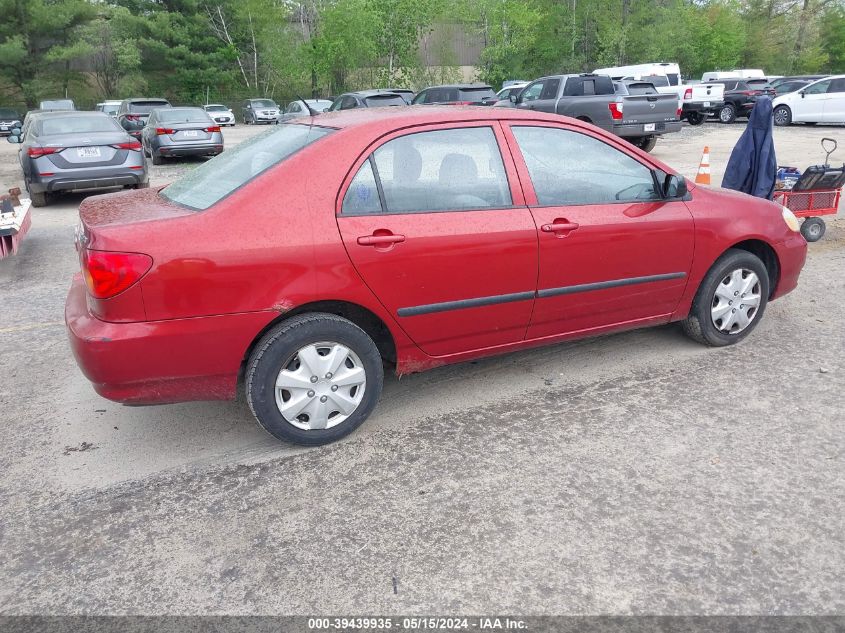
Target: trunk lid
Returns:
[92, 149]
[104, 219]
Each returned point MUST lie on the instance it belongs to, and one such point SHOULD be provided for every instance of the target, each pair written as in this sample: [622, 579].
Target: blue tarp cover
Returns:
[752, 167]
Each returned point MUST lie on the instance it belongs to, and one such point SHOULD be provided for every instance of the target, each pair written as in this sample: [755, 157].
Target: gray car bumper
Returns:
[639, 129]
[88, 179]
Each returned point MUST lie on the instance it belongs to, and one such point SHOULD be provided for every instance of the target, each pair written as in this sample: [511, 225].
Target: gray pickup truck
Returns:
[638, 118]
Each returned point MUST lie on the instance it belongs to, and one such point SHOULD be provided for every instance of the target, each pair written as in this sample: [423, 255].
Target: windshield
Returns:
[263, 103]
[182, 115]
[8, 114]
[76, 125]
[214, 180]
[217, 108]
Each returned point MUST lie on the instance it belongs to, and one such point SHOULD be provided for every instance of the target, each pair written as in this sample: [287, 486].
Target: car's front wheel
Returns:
[730, 301]
[313, 379]
[782, 115]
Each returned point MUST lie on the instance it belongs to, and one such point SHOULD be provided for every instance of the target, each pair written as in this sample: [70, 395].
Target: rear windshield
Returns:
[76, 125]
[214, 180]
[641, 88]
[263, 103]
[109, 108]
[182, 115]
[145, 107]
[58, 104]
[8, 114]
[476, 94]
[384, 100]
[658, 80]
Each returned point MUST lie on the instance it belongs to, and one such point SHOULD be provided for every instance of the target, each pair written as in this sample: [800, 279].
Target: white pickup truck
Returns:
[698, 101]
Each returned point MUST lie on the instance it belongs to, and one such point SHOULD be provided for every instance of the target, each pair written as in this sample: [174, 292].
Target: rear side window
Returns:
[214, 180]
[837, 85]
[362, 196]
[570, 168]
[442, 170]
[673, 79]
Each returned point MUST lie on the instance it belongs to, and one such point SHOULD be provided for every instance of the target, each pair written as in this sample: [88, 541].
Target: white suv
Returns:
[822, 101]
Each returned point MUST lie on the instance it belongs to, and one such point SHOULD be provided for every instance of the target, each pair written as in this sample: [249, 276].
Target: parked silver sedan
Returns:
[70, 151]
[299, 108]
[180, 132]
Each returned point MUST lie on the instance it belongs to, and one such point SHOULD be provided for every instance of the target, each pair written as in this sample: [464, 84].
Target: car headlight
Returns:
[790, 219]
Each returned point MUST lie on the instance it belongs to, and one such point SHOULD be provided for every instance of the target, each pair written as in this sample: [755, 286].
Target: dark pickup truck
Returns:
[638, 118]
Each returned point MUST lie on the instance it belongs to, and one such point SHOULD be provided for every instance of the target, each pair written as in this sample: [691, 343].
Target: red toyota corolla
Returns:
[302, 261]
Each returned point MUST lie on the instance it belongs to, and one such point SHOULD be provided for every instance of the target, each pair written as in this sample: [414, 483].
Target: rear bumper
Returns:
[78, 179]
[203, 149]
[628, 130]
[714, 107]
[792, 253]
[154, 362]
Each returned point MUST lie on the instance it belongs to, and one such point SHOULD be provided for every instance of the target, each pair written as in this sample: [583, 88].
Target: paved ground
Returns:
[637, 473]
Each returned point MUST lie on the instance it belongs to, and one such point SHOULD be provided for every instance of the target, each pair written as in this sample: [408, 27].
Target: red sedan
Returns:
[300, 263]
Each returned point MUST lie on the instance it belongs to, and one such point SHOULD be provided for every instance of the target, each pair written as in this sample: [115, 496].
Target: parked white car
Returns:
[220, 113]
[822, 101]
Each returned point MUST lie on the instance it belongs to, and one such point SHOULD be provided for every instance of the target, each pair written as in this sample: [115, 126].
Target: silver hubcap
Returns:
[320, 386]
[780, 115]
[725, 114]
[736, 301]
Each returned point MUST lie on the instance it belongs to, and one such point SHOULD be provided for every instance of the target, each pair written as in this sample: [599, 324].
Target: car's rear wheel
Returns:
[38, 199]
[782, 115]
[156, 158]
[730, 301]
[727, 114]
[313, 379]
[695, 118]
[645, 143]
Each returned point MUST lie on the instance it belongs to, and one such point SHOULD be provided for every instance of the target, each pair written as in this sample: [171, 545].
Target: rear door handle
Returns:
[559, 226]
[380, 240]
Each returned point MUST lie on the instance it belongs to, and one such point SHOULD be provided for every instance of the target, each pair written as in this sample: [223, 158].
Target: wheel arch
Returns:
[767, 255]
[364, 318]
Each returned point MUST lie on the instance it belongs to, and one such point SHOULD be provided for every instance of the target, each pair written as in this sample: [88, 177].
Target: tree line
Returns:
[225, 50]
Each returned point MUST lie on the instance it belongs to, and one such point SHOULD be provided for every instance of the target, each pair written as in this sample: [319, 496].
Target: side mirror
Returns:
[512, 98]
[802, 93]
[674, 186]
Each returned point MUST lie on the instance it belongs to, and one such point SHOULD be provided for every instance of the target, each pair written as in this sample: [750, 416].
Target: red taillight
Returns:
[133, 117]
[750, 93]
[136, 145]
[688, 93]
[615, 111]
[678, 113]
[213, 128]
[35, 152]
[108, 273]
[164, 130]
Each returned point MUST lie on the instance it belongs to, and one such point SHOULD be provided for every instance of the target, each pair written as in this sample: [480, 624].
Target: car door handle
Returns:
[559, 226]
[380, 240]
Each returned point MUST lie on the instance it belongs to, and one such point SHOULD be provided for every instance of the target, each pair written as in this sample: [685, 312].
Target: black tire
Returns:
[38, 199]
[782, 116]
[157, 160]
[645, 143]
[699, 324]
[143, 185]
[813, 229]
[696, 118]
[727, 113]
[280, 346]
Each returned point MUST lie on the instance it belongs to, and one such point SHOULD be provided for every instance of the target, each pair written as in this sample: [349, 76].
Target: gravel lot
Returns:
[636, 473]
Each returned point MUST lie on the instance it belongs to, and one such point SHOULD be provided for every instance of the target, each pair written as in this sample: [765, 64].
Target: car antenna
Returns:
[311, 110]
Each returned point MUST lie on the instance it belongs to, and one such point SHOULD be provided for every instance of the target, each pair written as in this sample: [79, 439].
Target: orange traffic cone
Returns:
[703, 175]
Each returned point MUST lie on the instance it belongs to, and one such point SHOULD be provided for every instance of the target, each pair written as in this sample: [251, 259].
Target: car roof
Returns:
[394, 117]
[215, 105]
[460, 86]
[134, 99]
[370, 93]
[54, 114]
